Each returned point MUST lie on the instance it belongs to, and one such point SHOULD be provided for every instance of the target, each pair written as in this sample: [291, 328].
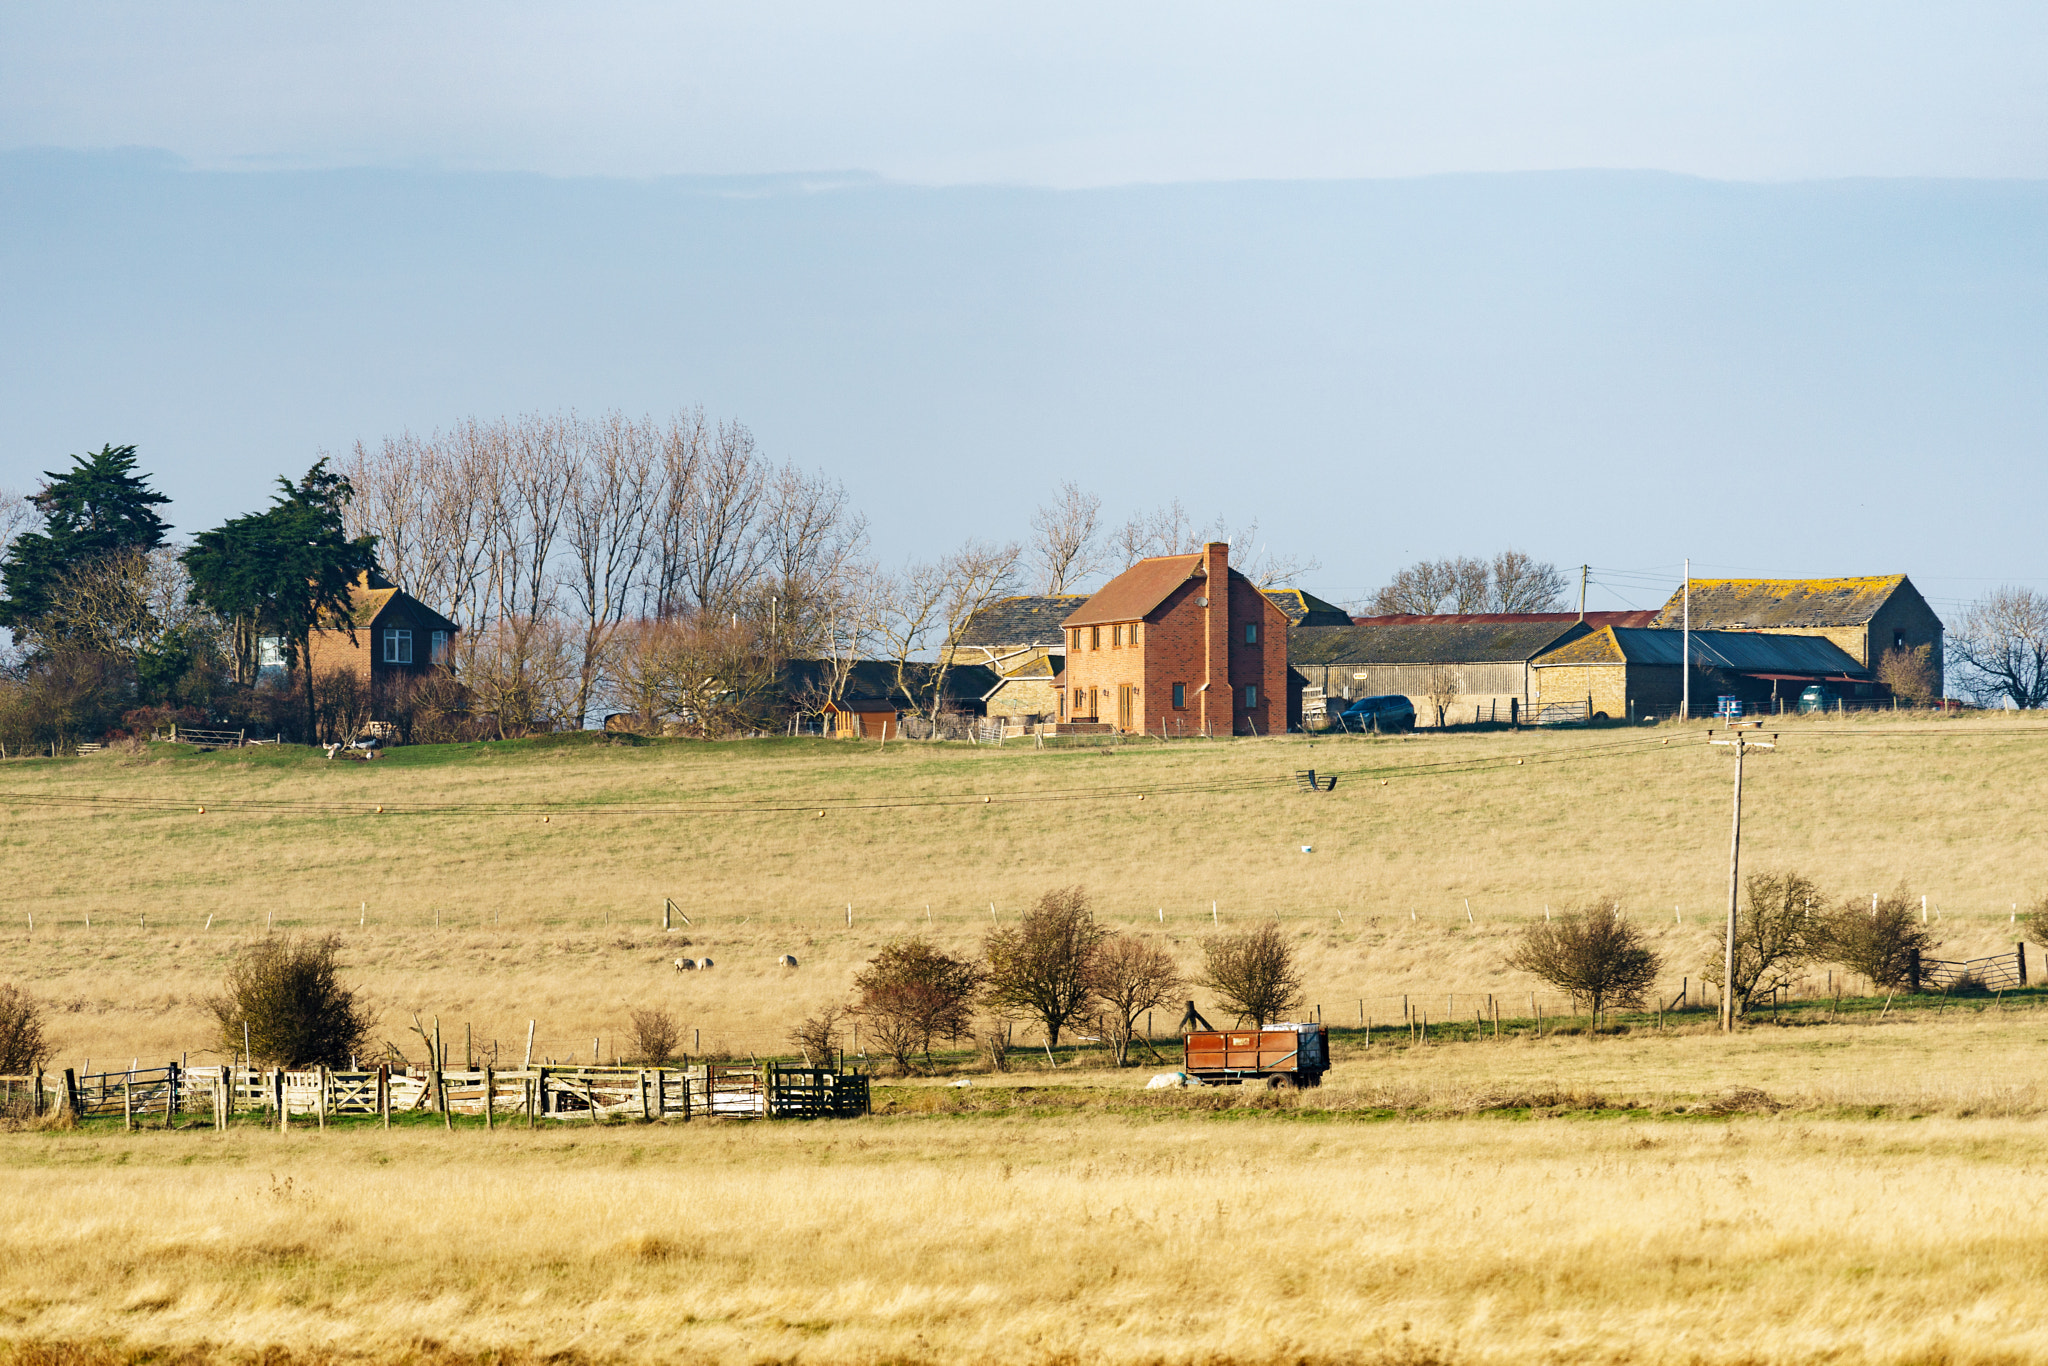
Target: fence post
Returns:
[384, 1093]
[490, 1097]
[128, 1104]
[1913, 971]
[2019, 953]
[284, 1109]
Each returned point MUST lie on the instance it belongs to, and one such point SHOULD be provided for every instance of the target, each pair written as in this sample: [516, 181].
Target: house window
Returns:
[397, 647]
[1251, 633]
[1134, 633]
[1251, 695]
[1079, 701]
[1116, 636]
[1094, 637]
[1180, 695]
[440, 648]
[1898, 640]
[270, 652]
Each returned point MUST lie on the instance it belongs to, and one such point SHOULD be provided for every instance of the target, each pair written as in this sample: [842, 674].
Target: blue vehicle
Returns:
[1391, 712]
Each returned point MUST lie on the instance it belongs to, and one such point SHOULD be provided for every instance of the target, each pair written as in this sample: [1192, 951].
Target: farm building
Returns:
[1303, 608]
[862, 718]
[1182, 644]
[1010, 628]
[1863, 616]
[1028, 689]
[809, 685]
[1476, 665]
[1621, 671]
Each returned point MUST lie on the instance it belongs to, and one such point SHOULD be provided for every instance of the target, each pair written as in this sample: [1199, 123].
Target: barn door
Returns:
[1123, 706]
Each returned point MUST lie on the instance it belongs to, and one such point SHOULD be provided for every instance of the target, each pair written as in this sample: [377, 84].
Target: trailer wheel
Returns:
[1279, 1081]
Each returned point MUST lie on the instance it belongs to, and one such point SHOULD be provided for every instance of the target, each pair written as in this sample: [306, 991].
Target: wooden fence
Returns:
[562, 1094]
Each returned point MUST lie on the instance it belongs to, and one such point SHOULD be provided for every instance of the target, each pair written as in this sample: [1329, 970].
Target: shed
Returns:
[1864, 616]
[862, 718]
[1623, 671]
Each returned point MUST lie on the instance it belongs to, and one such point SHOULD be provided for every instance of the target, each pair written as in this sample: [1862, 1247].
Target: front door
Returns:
[1123, 706]
[1094, 708]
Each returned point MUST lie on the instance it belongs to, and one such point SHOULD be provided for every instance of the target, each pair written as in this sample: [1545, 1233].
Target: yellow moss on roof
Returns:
[1761, 604]
[1599, 647]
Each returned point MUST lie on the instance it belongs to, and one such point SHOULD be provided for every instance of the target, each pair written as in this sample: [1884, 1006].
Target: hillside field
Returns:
[504, 883]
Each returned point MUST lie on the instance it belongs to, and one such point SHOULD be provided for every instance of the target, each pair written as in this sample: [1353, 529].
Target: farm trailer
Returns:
[1277, 1055]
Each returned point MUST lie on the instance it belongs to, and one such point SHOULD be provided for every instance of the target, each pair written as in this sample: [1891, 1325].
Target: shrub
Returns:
[912, 992]
[1591, 954]
[1040, 967]
[1131, 975]
[23, 1044]
[655, 1035]
[1780, 933]
[817, 1036]
[1883, 940]
[1252, 972]
[288, 994]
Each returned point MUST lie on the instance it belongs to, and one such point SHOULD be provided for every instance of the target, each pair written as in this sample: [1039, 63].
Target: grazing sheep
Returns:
[1167, 1080]
[686, 964]
[703, 962]
[787, 960]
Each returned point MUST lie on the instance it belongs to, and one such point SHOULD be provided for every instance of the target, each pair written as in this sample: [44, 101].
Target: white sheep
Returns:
[686, 964]
[788, 960]
[703, 962]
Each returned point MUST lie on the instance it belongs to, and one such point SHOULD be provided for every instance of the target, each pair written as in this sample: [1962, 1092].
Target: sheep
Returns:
[788, 960]
[703, 962]
[686, 964]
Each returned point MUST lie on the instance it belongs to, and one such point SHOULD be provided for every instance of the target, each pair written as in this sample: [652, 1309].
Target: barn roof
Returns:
[1304, 608]
[1429, 642]
[1593, 619]
[1764, 604]
[1029, 620]
[1741, 652]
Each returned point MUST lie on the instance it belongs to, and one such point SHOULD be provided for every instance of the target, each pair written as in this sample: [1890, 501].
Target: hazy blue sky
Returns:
[1760, 283]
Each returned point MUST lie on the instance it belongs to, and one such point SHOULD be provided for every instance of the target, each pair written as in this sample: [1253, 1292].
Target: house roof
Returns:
[371, 595]
[863, 704]
[1038, 664]
[1304, 608]
[1429, 642]
[1593, 619]
[1766, 604]
[875, 679]
[1030, 620]
[1135, 592]
[1743, 652]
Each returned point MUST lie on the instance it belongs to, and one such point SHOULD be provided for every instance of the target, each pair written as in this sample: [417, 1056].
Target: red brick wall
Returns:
[1184, 641]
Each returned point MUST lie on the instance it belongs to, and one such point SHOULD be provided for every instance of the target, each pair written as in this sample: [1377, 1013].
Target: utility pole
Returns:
[1584, 570]
[1685, 646]
[1741, 744]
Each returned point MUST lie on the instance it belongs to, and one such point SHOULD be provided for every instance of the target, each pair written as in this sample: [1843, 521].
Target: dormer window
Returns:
[397, 646]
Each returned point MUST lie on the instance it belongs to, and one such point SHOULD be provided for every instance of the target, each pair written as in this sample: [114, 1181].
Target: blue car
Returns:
[1392, 712]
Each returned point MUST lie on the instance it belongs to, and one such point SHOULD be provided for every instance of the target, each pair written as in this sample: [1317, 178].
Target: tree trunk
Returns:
[306, 665]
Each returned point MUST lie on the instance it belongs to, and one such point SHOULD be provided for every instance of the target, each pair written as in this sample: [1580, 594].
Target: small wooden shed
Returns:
[863, 718]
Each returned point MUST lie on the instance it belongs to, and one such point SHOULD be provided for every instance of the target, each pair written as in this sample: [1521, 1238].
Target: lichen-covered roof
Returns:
[1455, 642]
[1039, 664]
[1765, 604]
[1304, 608]
[1593, 619]
[1013, 622]
[370, 595]
[1735, 651]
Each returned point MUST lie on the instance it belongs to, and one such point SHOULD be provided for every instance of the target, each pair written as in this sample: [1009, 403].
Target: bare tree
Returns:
[725, 545]
[1252, 972]
[604, 527]
[1883, 940]
[685, 440]
[713, 675]
[816, 1037]
[1444, 688]
[1592, 954]
[1418, 590]
[1165, 531]
[1131, 975]
[1255, 559]
[813, 543]
[24, 1042]
[1043, 966]
[522, 673]
[1064, 546]
[17, 515]
[2002, 646]
[655, 1035]
[975, 575]
[911, 993]
[1784, 928]
[1908, 672]
[1522, 583]
[125, 603]
[914, 610]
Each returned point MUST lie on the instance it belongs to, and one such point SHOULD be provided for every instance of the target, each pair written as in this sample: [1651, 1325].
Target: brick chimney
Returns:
[1219, 711]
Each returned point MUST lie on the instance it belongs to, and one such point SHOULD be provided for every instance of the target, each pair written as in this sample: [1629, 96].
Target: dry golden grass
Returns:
[1237, 1237]
[559, 921]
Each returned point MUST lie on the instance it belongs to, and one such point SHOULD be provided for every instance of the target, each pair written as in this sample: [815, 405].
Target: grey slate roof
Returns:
[1460, 642]
[1304, 608]
[1743, 652]
[1032, 620]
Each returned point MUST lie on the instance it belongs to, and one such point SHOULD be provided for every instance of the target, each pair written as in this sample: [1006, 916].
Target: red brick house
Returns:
[1182, 644]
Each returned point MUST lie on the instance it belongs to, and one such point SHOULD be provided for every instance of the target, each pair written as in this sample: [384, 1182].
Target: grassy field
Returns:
[1630, 1199]
[1844, 1190]
[503, 883]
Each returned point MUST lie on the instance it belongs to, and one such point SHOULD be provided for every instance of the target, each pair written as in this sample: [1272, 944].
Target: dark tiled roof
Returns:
[371, 595]
[1020, 621]
[1593, 619]
[1136, 591]
[1762, 604]
[1736, 651]
[1304, 608]
[876, 678]
[1455, 642]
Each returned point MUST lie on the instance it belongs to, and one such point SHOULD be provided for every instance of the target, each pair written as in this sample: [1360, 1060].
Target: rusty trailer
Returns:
[1277, 1055]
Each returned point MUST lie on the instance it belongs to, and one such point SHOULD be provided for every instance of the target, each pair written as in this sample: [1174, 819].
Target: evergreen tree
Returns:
[98, 507]
[288, 568]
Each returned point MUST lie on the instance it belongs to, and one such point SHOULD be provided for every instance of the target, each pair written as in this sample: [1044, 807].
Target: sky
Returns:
[1617, 284]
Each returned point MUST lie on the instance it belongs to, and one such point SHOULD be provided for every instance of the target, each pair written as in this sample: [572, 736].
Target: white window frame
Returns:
[437, 648]
[394, 637]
